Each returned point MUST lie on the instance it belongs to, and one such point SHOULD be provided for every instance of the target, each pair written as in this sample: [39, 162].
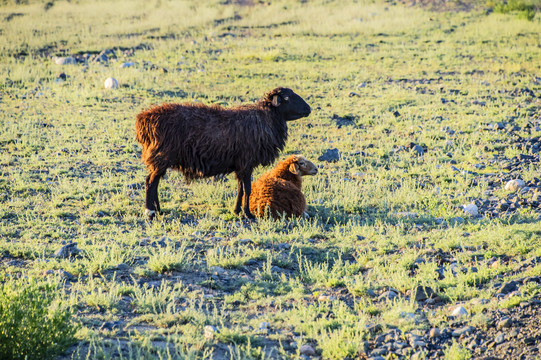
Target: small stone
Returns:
[245, 241]
[379, 352]
[434, 333]
[388, 295]
[423, 292]
[283, 246]
[307, 350]
[324, 297]
[514, 185]
[217, 270]
[417, 150]
[330, 155]
[500, 338]
[463, 331]
[210, 331]
[471, 209]
[505, 323]
[127, 64]
[68, 60]
[122, 267]
[460, 311]
[418, 355]
[508, 287]
[264, 325]
[67, 251]
[406, 214]
[111, 83]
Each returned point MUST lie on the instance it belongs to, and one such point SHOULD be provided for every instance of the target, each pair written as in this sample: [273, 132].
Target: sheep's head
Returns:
[289, 104]
[301, 166]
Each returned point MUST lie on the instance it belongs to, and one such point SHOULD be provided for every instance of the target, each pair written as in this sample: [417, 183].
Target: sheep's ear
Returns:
[276, 100]
[294, 168]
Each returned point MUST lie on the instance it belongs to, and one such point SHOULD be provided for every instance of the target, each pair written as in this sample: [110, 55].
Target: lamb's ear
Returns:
[294, 168]
[276, 100]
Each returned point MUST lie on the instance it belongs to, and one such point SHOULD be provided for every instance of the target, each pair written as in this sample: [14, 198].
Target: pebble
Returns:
[463, 331]
[388, 295]
[127, 64]
[210, 331]
[514, 185]
[417, 150]
[67, 251]
[324, 297]
[330, 155]
[434, 333]
[307, 350]
[471, 209]
[505, 323]
[508, 287]
[68, 60]
[423, 292]
[460, 311]
[217, 270]
[499, 338]
[264, 325]
[111, 83]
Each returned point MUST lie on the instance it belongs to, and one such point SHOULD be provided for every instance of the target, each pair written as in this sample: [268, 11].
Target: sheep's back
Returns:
[202, 140]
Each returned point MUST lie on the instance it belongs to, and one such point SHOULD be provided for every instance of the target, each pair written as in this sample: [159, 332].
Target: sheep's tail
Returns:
[143, 129]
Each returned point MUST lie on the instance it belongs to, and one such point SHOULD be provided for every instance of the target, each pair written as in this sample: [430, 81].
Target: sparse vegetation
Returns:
[432, 110]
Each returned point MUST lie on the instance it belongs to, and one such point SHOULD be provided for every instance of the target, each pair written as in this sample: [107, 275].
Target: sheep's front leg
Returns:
[247, 185]
[240, 193]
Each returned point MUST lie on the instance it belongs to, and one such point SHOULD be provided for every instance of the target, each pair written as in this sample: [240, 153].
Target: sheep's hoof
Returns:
[150, 213]
[249, 215]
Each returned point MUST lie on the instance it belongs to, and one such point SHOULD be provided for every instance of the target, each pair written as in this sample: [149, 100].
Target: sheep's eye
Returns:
[302, 164]
[286, 98]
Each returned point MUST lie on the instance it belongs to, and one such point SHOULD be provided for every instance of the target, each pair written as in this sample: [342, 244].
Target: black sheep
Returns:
[202, 141]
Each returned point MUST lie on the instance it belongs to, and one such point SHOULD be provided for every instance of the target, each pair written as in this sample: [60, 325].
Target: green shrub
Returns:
[524, 9]
[33, 325]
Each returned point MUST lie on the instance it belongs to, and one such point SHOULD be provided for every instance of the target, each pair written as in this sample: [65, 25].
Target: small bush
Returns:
[32, 323]
[524, 9]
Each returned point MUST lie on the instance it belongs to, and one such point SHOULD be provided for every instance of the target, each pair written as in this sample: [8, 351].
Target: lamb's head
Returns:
[289, 104]
[301, 166]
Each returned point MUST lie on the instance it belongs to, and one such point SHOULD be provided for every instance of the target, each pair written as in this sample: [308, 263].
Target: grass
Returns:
[381, 217]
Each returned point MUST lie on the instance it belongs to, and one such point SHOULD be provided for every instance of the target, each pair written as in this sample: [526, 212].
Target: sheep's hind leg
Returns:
[152, 201]
[247, 187]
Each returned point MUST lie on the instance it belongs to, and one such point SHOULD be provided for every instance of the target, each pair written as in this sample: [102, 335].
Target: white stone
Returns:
[514, 185]
[111, 83]
[471, 209]
[68, 60]
[460, 311]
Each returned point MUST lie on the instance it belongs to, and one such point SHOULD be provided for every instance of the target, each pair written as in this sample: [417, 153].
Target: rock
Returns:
[127, 64]
[514, 185]
[67, 251]
[500, 338]
[463, 331]
[307, 350]
[406, 214]
[379, 352]
[505, 323]
[122, 267]
[422, 293]
[459, 311]
[264, 325]
[324, 297]
[419, 355]
[388, 295]
[330, 155]
[417, 150]
[283, 246]
[245, 241]
[471, 209]
[508, 287]
[68, 60]
[210, 331]
[434, 333]
[217, 270]
[373, 328]
[111, 83]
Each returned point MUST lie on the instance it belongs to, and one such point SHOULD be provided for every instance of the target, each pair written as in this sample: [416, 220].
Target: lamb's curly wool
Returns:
[279, 191]
[202, 141]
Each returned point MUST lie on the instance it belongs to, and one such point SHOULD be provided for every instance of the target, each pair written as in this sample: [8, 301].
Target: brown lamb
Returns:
[279, 191]
[204, 141]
